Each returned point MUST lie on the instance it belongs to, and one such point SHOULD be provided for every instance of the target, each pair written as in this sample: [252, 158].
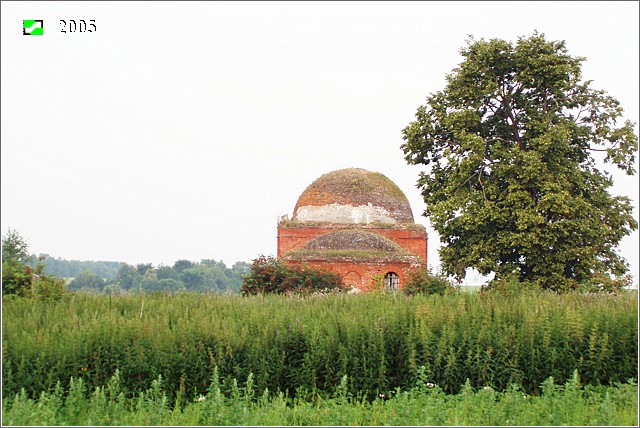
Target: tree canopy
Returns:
[14, 247]
[515, 146]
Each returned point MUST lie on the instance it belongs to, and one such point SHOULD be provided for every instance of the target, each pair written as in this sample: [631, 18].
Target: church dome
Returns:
[353, 195]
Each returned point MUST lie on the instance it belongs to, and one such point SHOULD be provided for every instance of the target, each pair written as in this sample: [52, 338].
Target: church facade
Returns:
[358, 224]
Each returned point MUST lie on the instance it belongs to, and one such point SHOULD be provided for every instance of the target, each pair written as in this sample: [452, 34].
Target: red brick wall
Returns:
[359, 275]
[366, 272]
[412, 240]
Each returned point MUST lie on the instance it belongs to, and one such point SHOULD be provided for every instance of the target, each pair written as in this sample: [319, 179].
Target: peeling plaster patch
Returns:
[340, 213]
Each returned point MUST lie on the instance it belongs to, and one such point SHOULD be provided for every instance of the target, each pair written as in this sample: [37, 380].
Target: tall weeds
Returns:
[303, 346]
[423, 405]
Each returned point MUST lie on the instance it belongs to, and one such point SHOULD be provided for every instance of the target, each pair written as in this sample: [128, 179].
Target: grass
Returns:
[168, 350]
[311, 342]
[470, 288]
[423, 405]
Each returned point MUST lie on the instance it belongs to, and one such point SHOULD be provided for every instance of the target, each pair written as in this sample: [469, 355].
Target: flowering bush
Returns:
[269, 275]
[24, 281]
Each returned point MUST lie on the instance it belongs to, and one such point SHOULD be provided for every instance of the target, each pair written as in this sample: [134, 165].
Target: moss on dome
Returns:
[357, 187]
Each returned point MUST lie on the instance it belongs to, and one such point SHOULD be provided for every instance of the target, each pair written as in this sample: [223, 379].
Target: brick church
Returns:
[358, 224]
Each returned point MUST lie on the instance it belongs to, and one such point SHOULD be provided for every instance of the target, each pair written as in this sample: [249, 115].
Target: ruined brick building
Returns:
[358, 224]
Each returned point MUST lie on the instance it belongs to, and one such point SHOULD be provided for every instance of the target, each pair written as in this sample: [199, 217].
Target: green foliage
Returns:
[15, 277]
[269, 275]
[512, 185]
[72, 268]
[112, 277]
[209, 275]
[128, 277]
[241, 268]
[23, 281]
[600, 282]
[149, 280]
[424, 405]
[87, 280]
[597, 283]
[46, 288]
[19, 279]
[511, 286]
[424, 281]
[181, 265]
[142, 268]
[170, 285]
[206, 276]
[305, 345]
[377, 282]
[15, 247]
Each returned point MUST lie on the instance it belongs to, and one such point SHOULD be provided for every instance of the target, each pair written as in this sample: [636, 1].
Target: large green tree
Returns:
[512, 147]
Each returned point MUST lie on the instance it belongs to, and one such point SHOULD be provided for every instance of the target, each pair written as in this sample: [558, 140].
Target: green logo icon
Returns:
[32, 27]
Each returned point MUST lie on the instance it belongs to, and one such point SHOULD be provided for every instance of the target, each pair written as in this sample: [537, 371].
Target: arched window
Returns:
[391, 281]
[352, 279]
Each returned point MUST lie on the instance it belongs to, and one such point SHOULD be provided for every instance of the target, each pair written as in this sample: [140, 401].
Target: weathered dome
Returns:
[353, 195]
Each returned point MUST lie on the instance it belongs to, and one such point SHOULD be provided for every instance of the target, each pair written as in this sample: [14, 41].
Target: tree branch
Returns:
[514, 125]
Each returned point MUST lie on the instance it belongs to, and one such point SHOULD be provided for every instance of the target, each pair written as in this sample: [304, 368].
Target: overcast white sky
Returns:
[184, 130]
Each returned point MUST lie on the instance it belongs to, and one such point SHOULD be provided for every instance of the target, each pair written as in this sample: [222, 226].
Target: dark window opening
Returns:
[391, 281]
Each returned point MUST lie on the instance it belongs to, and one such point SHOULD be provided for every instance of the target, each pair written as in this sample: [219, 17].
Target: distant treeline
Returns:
[71, 268]
[118, 277]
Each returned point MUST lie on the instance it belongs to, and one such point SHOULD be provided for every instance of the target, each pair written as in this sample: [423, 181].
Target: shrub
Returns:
[15, 277]
[597, 283]
[511, 286]
[600, 282]
[423, 281]
[25, 281]
[269, 275]
[20, 279]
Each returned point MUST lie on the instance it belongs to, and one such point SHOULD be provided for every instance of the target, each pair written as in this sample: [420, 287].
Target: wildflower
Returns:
[430, 385]
[487, 388]
[202, 398]
[84, 369]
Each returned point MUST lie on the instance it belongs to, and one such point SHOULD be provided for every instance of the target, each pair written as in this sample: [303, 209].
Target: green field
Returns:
[459, 359]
